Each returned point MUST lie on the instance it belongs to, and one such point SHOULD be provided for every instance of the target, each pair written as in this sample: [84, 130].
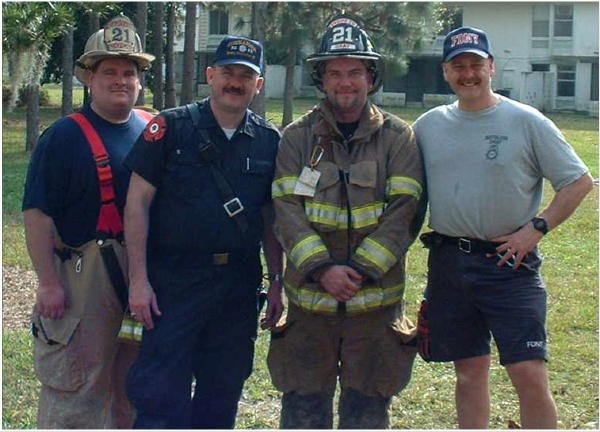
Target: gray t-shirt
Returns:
[485, 169]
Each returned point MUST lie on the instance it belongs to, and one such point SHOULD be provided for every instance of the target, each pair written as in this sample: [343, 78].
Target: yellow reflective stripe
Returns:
[283, 186]
[306, 249]
[367, 215]
[318, 301]
[398, 185]
[370, 298]
[335, 216]
[366, 299]
[325, 214]
[377, 254]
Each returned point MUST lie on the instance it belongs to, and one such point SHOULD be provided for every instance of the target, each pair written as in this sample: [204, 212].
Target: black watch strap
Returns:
[540, 224]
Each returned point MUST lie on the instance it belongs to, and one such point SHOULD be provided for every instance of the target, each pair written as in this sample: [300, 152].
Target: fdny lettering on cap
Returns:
[465, 38]
[155, 129]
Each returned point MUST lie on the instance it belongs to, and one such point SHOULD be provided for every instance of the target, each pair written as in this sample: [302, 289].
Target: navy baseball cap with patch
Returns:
[241, 51]
[466, 40]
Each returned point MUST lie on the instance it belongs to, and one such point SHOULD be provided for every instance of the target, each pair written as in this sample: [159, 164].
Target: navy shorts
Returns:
[470, 299]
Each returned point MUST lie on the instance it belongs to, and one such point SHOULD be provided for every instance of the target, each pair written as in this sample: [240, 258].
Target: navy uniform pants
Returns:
[192, 366]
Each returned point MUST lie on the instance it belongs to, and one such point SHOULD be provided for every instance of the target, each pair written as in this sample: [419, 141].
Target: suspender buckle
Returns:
[233, 207]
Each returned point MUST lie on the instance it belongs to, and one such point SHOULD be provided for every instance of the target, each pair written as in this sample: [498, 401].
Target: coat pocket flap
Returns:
[330, 175]
[364, 174]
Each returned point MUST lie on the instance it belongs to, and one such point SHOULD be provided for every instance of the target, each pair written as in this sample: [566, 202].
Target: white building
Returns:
[546, 54]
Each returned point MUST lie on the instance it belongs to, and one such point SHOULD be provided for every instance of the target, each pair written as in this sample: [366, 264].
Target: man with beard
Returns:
[486, 158]
[198, 207]
[347, 195]
[74, 198]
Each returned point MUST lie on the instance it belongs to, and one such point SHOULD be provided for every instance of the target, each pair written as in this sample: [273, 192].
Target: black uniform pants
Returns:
[193, 364]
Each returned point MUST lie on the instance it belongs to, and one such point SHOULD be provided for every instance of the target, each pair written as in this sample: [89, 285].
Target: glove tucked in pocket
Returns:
[423, 334]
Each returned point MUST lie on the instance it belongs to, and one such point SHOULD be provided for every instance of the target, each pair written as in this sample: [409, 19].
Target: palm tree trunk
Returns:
[158, 84]
[67, 78]
[32, 96]
[189, 54]
[93, 26]
[141, 14]
[259, 10]
[170, 94]
[288, 92]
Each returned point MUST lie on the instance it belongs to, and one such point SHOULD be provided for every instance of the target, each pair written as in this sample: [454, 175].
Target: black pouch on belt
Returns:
[430, 239]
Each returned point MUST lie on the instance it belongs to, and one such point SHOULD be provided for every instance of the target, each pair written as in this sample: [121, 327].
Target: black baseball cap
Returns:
[466, 40]
[241, 51]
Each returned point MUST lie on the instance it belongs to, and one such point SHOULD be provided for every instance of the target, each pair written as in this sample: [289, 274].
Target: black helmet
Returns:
[344, 38]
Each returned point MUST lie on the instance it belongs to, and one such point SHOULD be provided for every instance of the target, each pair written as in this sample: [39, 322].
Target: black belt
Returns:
[217, 259]
[464, 244]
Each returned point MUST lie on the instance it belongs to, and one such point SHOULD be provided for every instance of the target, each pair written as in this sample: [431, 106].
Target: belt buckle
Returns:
[220, 258]
[464, 245]
[233, 206]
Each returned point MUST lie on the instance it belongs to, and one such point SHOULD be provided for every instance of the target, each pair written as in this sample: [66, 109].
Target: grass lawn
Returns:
[570, 271]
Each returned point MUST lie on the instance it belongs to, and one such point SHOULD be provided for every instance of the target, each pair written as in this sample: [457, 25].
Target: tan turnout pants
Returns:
[78, 359]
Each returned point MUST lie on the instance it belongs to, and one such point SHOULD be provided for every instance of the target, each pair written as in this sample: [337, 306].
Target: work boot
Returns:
[314, 411]
[359, 411]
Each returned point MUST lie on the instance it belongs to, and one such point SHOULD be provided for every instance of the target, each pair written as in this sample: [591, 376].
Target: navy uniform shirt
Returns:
[187, 217]
[62, 180]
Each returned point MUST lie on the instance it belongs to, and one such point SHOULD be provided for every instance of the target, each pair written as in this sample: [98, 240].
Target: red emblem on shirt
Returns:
[156, 129]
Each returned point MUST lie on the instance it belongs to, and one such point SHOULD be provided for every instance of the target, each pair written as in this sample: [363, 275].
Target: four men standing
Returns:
[348, 189]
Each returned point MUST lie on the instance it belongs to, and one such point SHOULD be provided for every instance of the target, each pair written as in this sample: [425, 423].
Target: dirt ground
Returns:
[18, 297]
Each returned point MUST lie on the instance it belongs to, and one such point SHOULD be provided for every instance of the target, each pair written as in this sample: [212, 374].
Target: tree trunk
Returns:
[141, 15]
[189, 53]
[67, 78]
[93, 26]
[259, 10]
[170, 93]
[158, 84]
[288, 92]
[32, 96]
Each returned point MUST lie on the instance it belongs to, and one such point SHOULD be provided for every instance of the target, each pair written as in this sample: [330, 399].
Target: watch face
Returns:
[540, 225]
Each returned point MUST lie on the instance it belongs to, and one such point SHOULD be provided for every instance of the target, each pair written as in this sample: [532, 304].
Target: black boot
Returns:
[314, 411]
[359, 411]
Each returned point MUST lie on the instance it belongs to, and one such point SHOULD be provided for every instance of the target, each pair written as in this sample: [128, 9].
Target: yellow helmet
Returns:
[118, 39]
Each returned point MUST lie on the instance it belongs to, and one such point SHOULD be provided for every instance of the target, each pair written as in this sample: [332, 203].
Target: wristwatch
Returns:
[540, 224]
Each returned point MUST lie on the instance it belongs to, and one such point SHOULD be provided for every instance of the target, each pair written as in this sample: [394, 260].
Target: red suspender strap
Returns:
[109, 221]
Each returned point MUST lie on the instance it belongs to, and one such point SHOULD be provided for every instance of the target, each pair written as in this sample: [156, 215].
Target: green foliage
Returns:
[19, 387]
[570, 271]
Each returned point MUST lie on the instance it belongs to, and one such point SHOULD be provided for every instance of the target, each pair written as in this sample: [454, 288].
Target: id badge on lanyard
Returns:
[309, 177]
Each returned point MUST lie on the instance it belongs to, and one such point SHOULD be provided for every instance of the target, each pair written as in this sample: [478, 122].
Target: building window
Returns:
[565, 80]
[563, 20]
[218, 22]
[540, 67]
[594, 89]
[541, 21]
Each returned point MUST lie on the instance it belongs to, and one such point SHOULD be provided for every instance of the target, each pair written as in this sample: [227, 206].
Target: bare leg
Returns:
[530, 379]
[472, 392]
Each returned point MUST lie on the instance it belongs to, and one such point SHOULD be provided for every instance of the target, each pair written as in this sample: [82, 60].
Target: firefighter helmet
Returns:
[345, 38]
[118, 39]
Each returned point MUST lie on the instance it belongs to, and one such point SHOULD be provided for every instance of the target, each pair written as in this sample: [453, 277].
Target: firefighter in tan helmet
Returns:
[348, 202]
[73, 205]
